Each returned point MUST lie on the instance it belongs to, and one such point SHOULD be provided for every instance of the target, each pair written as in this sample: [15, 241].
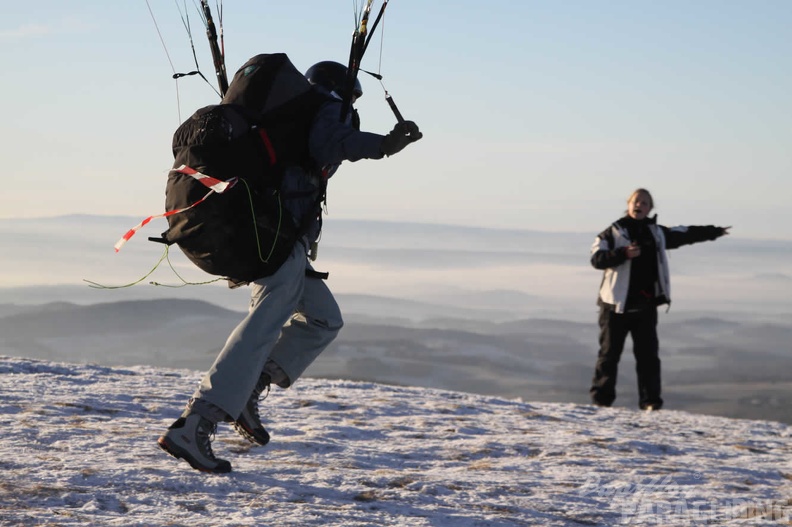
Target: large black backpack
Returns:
[242, 146]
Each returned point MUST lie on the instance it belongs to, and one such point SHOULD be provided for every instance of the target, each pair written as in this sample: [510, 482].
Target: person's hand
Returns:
[633, 251]
[402, 135]
[716, 232]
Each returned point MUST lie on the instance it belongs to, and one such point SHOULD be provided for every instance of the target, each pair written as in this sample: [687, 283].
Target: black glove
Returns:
[717, 232]
[402, 135]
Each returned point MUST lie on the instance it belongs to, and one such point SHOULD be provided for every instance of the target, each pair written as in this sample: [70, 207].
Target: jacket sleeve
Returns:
[603, 254]
[687, 235]
[330, 141]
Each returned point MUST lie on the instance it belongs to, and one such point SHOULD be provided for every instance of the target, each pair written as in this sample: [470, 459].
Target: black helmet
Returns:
[332, 77]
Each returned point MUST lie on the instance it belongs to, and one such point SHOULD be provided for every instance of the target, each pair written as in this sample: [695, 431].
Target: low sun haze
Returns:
[535, 115]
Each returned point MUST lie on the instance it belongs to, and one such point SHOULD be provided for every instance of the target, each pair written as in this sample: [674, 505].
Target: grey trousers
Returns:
[291, 320]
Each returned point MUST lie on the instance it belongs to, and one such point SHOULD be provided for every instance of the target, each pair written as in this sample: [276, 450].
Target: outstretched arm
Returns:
[679, 236]
[332, 141]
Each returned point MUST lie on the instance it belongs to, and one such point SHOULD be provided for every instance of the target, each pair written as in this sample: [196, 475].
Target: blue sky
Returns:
[537, 115]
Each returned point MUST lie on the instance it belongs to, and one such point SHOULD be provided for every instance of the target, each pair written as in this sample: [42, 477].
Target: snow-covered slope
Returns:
[79, 447]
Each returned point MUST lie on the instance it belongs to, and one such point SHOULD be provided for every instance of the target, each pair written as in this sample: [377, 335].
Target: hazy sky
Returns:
[536, 115]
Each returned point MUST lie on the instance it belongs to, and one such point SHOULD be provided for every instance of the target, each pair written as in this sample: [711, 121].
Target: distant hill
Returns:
[507, 273]
[710, 365]
[492, 311]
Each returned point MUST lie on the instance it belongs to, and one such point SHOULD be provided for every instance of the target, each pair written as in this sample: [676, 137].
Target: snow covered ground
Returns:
[78, 447]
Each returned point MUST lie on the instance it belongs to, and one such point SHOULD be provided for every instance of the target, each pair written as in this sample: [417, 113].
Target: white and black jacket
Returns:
[608, 253]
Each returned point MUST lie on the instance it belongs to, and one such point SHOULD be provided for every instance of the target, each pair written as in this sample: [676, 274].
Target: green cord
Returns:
[166, 256]
[255, 227]
[184, 282]
[100, 286]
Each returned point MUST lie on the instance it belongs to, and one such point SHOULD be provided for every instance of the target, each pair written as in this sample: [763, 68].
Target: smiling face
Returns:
[640, 204]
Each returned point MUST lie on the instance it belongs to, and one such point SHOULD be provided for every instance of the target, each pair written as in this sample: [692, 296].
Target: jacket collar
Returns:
[627, 221]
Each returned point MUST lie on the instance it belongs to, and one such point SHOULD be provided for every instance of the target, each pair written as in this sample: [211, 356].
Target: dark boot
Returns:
[248, 424]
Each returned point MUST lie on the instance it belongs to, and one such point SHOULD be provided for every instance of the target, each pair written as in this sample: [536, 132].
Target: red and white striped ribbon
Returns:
[215, 186]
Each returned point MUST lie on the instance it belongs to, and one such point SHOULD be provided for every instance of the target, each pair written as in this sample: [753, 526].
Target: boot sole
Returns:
[247, 434]
[179, 453]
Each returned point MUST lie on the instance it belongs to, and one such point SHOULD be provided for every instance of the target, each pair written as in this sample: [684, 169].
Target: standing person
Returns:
[632, 254]
[292, 315]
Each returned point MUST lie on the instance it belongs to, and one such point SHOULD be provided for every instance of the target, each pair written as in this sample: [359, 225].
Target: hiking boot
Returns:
[190, 438]
[248, 424]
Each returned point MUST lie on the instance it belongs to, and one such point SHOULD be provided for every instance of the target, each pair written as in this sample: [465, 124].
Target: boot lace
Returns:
[262, 385]
[205, 433]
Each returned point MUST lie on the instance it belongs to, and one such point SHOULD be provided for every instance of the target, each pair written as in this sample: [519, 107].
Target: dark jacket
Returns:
[643, 281]
[330, 143]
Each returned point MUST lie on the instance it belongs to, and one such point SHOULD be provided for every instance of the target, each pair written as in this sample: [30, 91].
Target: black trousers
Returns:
[614, 328]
